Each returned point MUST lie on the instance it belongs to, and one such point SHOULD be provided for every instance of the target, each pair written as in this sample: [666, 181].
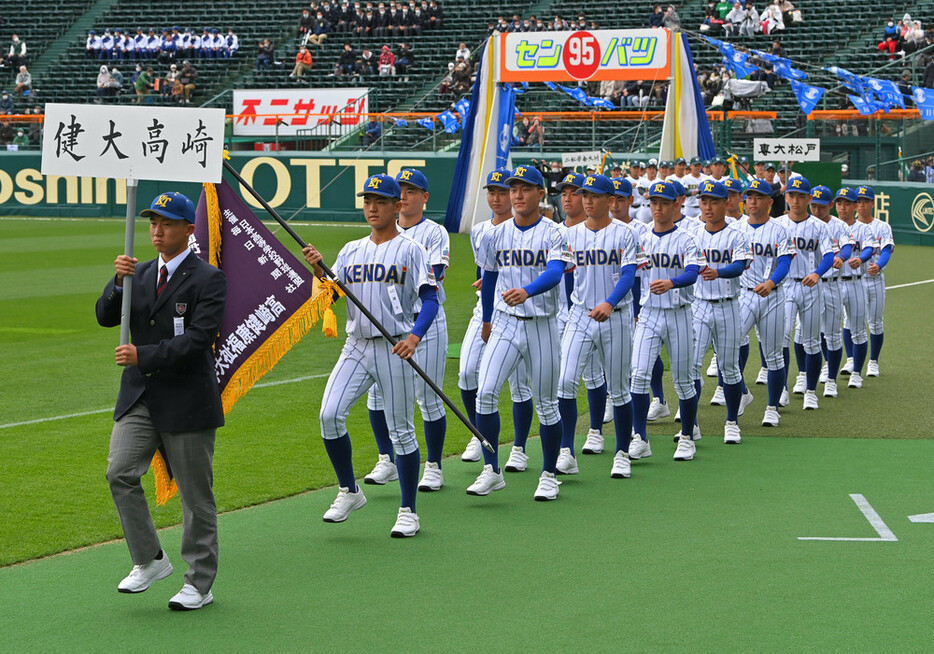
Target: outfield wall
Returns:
[322, 187]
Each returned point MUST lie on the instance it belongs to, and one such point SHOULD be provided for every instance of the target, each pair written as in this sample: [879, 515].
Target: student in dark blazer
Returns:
[169, 398]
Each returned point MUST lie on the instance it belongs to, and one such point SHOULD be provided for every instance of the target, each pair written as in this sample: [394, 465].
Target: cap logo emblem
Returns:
[496, 177]
[374, 182]
[588, 181]
[796, 183]
[163, 200]
[406, 174]
[520, 171]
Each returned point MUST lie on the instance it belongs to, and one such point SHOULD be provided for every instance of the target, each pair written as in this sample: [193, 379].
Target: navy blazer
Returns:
[176, 374]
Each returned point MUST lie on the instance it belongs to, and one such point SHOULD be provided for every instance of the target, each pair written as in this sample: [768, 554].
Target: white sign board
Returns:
[256, 111]
[786, 149]
[160, 143]
[572, 159]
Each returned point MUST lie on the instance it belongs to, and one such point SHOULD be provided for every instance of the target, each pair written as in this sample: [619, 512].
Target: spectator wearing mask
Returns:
[21, 141]
[304, 25]
[232, 44]
[370, 60]
[435, 16]
[461, 77]
[462, 51]
[447, 83]
[772, 18]
[387, 62]
[418, 21]
[374, 130]
[23, 82]
[303, 62]
[346, 61]
[265, 57]
[92, 47]
[187, 79]
[671, 19]
[750, 23]
[734, 19]
[104, 89]
[380, 25]
[144, 84]
[657, 17]
[405, 58]
[16, 56]
[319, 30]
[6, 104]
[167, 88]
[536, 133]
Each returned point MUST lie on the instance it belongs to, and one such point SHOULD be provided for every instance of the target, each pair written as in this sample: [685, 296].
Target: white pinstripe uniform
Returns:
[691, 202]
[386, 277]
[599, 258]
[666, 318]
[641, 187]
[811, 240]
[875, 286]
[717, 316]
[472, 346]
[528, 331]
[831, 288]
[432, 351]
[855, 303]
[637, 198]
[768, 242]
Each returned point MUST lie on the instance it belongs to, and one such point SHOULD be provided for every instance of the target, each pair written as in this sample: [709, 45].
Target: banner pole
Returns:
[129, 234]
[353, 298]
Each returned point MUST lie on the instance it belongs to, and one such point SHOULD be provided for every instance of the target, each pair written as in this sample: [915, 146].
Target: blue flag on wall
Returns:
[924, 100]
[449, 120]
[462, 106]
[865, 106]
[577, 93]
[808, 96]
[887, 91]
[427, 123]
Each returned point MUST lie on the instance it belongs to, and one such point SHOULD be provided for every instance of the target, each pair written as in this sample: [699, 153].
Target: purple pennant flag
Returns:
[269, 292]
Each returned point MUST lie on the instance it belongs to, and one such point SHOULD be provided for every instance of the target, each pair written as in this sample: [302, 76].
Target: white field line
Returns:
[885, 534]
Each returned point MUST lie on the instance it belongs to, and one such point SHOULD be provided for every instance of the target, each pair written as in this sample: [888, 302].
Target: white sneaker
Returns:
[142, 576]
[608, 412]
[801, 384]
[732, 434]
[384, 471]
[567, 464]
[518, 460]
[189, 599]
[678, 415]
[473, 451]
[830, 388]
[785, 399]
[344, 504]
[856, 381]
[745, 401]
[718, 398]
[810, 400]
[712, 368]
[639, 449]
[847, 367]
[432, 477]
[594, 443]
[658, 410]
[696, 435]
[686, 449]
[763, 377]
[487, 482]
[406, 523]
[770, 419]
[547, 487]
[622, 467]
[824, 374]
[872, 368]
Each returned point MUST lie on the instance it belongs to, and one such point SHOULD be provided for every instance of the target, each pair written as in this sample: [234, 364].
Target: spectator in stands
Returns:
[772, 18]
[92, 47]
[166, 48]
[104, 89]
[890, 45]
[750, 23]
[23, 82]
[520, 131]
[406, 22]
[462, 51]
[370, 61]
[447, 82]
[723, 7]
[536, 133]
[266, 55]
[387, 62]
[612, 91]
[904, 85]
[144, 84]
[395, 20]
[107, 45]
[139, 44]
[342, 18]
[914, 38]
[435, 15]
[187, 79]
[561, 25]
[374, 130]
[713, 22]
[657, 17]
[346, 61]
[916, 173]
[16, 56]
[166, 87]
[7, 106]
[232, 44]
[418, 21]
[405, 58]
[21, 141]
[304, 25]
[153, 45]
[187, 42]
[303, 62]
[891, 29]
[927, 80]
[461, 77]
[381, 22]
[788, 13]
[361, 27]
[671, 19]
[116, 78]
[734, 19]
[319, 30]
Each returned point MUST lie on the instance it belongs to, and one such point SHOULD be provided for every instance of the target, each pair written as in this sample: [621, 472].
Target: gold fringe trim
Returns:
[166, 488]
[214, 225]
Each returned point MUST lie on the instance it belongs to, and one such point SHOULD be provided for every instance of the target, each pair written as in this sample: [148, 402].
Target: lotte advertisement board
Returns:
[257, 111]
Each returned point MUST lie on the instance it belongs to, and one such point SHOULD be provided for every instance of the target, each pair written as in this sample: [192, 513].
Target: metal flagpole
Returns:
[131, 185]
[353, 298]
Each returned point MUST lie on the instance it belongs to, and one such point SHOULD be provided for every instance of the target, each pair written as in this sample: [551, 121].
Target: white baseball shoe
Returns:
[608, 412]
[824, 373]
[763, 377]
[432, 477]
[344, 504]
[847, 366]
[189, 599]
[830, 388]
[658, 410]
[678, 415]
[487, 482]
[473, 451]
[567, 464]
[732, 434]
[785, 399]
[696, 434]
[686, 449]
[518, 460]
[810, 400]
[547, 487]
[712, 368]
[594, 443]
[718, 399]
[622, 467]
[639, 449]
[384, 471]
[770, 419]
[407, 524]
[801, 384]
[856, 381]
[745, 401]
[872, 368]
[142, 576]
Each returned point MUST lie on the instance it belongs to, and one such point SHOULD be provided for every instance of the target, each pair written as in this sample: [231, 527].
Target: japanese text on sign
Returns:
[298, 109]
[787, 149]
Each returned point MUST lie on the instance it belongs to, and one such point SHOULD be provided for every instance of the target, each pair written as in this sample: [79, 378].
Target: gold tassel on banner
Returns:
[166, 488]
[214, 225]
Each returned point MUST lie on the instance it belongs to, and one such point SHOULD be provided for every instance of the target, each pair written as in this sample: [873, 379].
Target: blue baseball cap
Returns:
[571, 179]
[171, 205]
[413, 178]
[865, 193]
[799, 185]
[497, 178]
[381, 185]
[759, 186]
[713, 189]
[664, 190]
[527, 174]
[622, 187]
[821, 195]
[732, 184]
[600, 184]
[679, 187]
[846, 194]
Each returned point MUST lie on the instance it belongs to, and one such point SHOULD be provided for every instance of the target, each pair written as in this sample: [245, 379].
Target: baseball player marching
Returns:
[389, 272]
[874, 279]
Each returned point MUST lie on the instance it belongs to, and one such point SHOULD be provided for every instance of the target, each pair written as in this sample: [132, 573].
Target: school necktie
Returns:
[163, 280]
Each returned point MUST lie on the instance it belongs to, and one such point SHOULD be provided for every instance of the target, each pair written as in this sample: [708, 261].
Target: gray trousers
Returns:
[133, 443]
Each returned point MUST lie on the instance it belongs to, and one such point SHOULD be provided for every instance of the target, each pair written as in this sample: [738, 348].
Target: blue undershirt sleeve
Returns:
[488, 293]
[636, 291]
[439, 269]
[825, 264]
[547, 280]
[479, 273]
[846, 251]
[569, 285]
[781, 270]
[626, 278]
[429, 297]
[866, 254]
[734, 269]
[688, 277]
[885, 256]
